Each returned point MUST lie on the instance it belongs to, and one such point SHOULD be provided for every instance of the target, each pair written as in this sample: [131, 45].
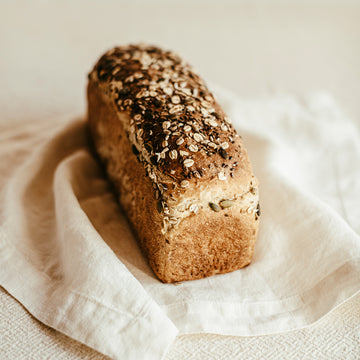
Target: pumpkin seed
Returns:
[226, 203]
[214, 207]
[258, 210]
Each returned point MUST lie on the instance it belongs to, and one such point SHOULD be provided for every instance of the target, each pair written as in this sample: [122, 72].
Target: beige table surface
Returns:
[254, 48]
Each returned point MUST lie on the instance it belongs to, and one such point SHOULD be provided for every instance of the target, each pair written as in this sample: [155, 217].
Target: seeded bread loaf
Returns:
[180, 170]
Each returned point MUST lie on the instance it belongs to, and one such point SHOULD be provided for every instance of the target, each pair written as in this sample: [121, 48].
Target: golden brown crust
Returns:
[176, 162]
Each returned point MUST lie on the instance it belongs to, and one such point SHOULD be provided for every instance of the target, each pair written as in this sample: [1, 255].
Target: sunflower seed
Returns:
[135, 150]
[160, 207]
[223, 153]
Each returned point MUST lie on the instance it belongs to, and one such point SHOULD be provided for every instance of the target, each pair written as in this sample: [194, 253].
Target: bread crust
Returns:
[182, 176]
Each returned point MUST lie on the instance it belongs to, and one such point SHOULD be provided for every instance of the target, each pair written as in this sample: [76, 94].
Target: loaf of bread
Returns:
[180, 170]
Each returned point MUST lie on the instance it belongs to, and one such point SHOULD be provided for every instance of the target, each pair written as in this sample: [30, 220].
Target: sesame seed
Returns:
[137, 117]
[193, 148]
[185, 183]
[175, 99]
[193, 208]
[190, 108]
[226, 118]
[213, 145]
[172, 172]
[183, 153]
[179, 141]
[224, 145]
[188, 162]
[187, 128]
[198, 137]
[221, 176]
[164, 143]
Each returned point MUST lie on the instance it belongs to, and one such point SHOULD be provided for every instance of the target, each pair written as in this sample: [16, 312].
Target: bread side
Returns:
[180, 170]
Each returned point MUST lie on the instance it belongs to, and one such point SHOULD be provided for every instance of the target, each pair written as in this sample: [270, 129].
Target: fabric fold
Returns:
[59, 268]
[68, 255]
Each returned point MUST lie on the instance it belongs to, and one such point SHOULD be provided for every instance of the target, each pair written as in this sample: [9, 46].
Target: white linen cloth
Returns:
[68, 255]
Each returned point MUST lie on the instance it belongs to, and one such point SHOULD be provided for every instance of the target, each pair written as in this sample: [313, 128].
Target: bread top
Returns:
[177, 130]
